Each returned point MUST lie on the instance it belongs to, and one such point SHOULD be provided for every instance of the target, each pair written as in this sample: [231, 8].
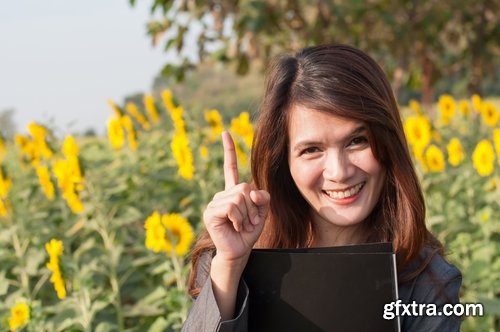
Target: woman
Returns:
[330, 166]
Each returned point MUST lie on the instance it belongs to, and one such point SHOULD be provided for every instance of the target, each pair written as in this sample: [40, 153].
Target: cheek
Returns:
[368, 164]
[304, 175]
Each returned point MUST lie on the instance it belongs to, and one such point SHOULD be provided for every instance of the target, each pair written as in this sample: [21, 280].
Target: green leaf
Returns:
[159, 325]
[4, 283]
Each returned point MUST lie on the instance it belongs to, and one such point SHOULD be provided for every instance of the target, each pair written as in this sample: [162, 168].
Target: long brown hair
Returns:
[345, 82]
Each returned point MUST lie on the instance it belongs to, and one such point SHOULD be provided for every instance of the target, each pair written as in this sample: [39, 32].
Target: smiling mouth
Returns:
[335, 194]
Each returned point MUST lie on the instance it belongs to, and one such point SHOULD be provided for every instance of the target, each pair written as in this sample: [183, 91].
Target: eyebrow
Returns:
[301, 144]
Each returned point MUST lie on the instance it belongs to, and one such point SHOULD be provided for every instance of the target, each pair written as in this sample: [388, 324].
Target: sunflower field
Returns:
[96, 232]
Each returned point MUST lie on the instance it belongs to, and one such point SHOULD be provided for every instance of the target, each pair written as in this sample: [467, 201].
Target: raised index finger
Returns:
[230, 162]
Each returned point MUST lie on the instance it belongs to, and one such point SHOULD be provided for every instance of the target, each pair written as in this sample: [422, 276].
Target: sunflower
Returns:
[203, 152]
[434, 159]
[464, 107]
[183, 155]
[168, 100]
[5, 183]
[214, 120]
[483, 158]
[243, 127]
[455, 152]
[116, 135]
[3, 148]
[169, 233]
[127, 123]
[179, 233]
[489, 114]
[133, 110]
[155, 233]
[447, 107]
[43, 174]
[476, 103]
[19, 316]
[149, 104]
[496, 142]
[69, 147]
[418, 131]
[55, 249]
[415, 106]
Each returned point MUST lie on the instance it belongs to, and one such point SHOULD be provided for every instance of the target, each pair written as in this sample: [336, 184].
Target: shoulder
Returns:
[439, 281]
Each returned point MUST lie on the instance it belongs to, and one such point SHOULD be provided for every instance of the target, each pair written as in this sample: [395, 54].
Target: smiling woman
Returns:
[330, 166]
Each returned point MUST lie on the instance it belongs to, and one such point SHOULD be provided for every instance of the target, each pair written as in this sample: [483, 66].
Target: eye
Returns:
[358, 141]
[310, 150]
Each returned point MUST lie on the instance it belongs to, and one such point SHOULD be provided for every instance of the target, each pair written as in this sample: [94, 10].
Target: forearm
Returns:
[225, 276]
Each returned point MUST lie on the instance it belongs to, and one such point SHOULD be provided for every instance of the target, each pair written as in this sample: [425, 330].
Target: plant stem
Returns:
[20, 254]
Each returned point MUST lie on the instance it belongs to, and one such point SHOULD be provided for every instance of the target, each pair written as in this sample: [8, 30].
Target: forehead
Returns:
[310, 124]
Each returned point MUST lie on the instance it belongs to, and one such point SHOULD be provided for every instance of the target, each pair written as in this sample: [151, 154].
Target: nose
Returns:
[337, 168]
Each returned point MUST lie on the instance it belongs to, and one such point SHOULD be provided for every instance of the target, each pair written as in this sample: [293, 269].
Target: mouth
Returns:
[346, 193]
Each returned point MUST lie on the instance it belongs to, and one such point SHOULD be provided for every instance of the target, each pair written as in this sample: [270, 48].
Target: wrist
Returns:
[229, 267]
[225, 276]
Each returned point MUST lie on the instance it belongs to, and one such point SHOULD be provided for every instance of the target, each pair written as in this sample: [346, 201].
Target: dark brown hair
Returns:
[345, 82]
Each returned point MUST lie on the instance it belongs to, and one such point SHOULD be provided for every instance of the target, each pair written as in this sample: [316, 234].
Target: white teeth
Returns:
[346, 193]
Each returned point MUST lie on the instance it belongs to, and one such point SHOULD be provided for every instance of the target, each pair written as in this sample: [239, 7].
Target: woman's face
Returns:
[333, 167]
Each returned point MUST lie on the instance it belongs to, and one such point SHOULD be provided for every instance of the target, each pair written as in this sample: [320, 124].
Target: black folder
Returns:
[322, 289]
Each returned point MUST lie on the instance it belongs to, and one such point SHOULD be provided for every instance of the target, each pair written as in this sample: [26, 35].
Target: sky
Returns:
[61, 60]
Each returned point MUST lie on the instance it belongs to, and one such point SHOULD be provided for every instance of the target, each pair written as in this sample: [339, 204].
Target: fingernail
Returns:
[256, 220]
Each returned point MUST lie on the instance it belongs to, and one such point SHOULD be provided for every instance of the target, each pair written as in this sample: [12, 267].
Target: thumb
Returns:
[261, 199]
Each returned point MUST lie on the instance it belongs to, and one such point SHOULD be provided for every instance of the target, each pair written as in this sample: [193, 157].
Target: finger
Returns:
[252, 210]
[230, 162]
[236, 218]
[242, 201]
[261, 199]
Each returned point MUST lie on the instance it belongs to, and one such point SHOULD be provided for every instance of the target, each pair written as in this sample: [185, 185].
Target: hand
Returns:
[235, 217]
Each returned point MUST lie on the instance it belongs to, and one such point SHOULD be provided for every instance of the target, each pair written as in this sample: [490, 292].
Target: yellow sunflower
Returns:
[183, 155]
[203, 152]
[455, 152]
[243, 127]
[476, 103]
[179, 233]
[489, 114]
[149, 104]
[155, 233]
[483, 158]
[415, 106]
[214, 120]
[133, 110]
[446, 107]
[170, 233]
[116, 134]
[168, 100]
[70, 148]
[43, 174]
[496, 142]
[464, 107]
[434, 159]
[5, 184]
[19, 316]
[418, 131]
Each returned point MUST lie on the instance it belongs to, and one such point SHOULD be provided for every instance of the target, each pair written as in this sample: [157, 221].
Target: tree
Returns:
[418, 42]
